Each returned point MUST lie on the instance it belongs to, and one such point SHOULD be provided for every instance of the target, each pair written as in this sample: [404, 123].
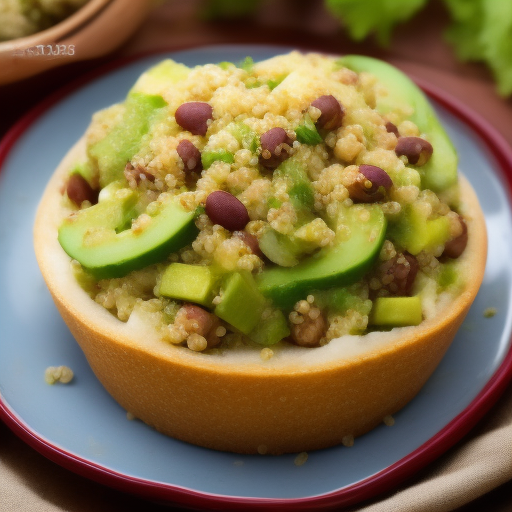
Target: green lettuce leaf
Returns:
[362, 17]
[482, 31]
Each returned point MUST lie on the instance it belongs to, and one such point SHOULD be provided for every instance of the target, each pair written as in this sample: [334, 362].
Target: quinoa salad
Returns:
[290, 201]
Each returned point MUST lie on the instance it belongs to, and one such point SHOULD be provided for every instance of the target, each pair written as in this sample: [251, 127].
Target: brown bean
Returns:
[332, 112]
[226, 210]
[454, 248]
[190, 156]
[251, 241]
[392, 128]
[276, 147]
[366, 187]
[202, 322]
[194, 116]
[79, 190]
[309, 332]
[377, 176]
[417, 150]
[137, 173]
[398, 274]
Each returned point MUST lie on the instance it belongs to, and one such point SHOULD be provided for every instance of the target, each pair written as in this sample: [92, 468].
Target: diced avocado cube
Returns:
[192, 283]
[396, 311]
[208, 157]
[95, 238]
[307, 132]
[123, 141]
[159, 78]
[415, 233]
[242, 303]
[271, 330]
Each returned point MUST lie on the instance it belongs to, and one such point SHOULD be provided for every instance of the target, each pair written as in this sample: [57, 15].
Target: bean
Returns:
[309, 332]
[190, 156]
[136, 173]
[377, 176]
[332, 112]
[194, 116]
[403, 269]
[454, 248]
[392, 128]
[417, 150]
[366, 186]
[203, 323]
[226, 210]
[251, 241]
[276, 147]
[79, 190]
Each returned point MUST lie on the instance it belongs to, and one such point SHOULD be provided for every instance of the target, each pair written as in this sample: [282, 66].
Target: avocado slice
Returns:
[396, 311]
[242, 303]
[91, 236]
[192, 283]
[440, 172]
[112, 152]
[342, 264]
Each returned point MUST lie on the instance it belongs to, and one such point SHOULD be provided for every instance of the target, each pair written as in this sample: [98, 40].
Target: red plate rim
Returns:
[384, 480]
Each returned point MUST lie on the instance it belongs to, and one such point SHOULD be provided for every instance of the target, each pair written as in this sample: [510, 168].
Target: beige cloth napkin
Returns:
[480, 463]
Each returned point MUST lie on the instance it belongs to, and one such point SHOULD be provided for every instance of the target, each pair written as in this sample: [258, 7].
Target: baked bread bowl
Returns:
[302, 398]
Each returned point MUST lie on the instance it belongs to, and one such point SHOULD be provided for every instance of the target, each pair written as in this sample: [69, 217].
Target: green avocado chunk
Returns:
[242, 303]
[440, 172]
[415, 233]
[396, 311]
[123, 141]
[342, 264]
[91, 236]
[192, 283]
[271, 330]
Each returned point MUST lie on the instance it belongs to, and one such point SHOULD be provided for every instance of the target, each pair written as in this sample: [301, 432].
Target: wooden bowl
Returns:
[301, 399]
[94, 30]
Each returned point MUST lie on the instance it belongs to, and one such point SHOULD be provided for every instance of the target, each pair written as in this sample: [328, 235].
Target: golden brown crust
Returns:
[284, 405]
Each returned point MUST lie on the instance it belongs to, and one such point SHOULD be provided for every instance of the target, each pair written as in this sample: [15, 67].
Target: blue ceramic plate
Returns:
[80, 426]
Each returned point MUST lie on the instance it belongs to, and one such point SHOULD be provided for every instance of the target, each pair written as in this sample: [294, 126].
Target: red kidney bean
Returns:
[454, 248]
[193, 116]
[378, 177]
[190, 156]
[251, 241]
[391, 128]
[275, 147]
[366, 186]
[417, 150]
[226, 210]
[332, 112]
[79, 190]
